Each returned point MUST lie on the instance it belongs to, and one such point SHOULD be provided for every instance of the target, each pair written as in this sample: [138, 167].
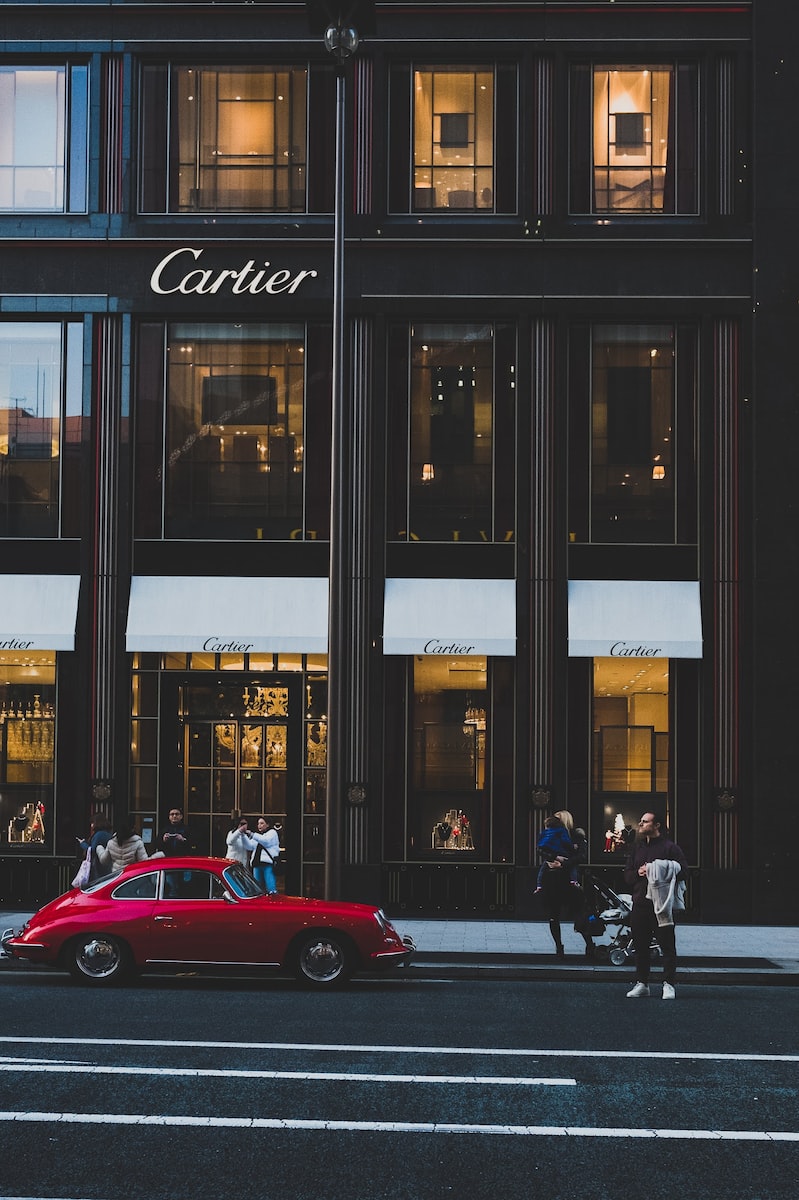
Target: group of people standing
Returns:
[655, 867]
[112, 850]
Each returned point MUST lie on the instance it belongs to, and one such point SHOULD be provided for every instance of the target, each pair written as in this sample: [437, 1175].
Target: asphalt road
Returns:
[400, 1088]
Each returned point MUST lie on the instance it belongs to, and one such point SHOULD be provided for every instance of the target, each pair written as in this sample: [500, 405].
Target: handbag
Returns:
[84, 871]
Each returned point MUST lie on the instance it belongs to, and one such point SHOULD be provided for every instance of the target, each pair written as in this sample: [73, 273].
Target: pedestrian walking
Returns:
[559, 895]
[653, 873]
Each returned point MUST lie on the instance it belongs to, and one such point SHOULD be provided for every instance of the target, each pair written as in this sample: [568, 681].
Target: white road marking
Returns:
[344, 1048]
[417, 1127]
[18, 1066]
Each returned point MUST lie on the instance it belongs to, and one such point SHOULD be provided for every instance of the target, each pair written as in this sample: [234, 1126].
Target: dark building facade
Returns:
[570, 306]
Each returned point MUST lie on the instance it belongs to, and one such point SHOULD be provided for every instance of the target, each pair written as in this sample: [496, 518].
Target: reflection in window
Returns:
[453, 148]
[448, 777]
[43, 135]
[235, 431]
[235, 142]
[27, 748]
[632, 430]
[451, 434]
[40, 424]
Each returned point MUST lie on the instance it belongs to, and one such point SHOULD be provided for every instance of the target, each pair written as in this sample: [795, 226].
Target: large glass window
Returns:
[27, 749]
[43, 132]
[235, 415]
[459, 433]
[223, 139]
[453, 142]
[637, 126]
[40, 427]
[448, 770]
[633, 434]
[630, 747]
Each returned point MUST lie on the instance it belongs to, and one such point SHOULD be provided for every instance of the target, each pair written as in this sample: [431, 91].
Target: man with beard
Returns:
[653, 869]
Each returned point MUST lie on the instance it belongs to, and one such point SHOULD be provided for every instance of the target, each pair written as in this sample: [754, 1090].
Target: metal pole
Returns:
[337, 606]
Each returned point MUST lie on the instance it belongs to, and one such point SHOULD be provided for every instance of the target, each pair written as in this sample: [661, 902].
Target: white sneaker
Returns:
[668, 991]
[638, 991]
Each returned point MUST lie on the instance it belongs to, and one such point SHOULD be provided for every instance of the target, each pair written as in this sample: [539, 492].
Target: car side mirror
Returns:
[228, 897]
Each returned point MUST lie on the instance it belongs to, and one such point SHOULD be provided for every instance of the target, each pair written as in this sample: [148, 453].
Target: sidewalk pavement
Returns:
[448, 948]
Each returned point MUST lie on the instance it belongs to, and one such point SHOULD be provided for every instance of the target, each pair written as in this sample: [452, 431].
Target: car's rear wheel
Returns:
[99, 959]
[323, 959]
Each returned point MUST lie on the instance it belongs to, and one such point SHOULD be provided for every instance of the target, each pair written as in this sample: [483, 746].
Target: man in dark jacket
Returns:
[175, 840]
[653, 846]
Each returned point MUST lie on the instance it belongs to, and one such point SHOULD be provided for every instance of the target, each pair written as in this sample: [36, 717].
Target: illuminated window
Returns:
[234, 139]
[636, 125]
[453, 138]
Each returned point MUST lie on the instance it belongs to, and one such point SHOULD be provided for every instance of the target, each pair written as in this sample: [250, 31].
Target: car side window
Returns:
[141, 887]
[189, 885]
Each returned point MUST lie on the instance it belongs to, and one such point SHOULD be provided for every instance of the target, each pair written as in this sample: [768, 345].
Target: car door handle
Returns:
[163, 918]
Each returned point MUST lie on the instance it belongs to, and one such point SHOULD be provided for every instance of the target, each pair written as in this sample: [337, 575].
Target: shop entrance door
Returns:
[240, 752]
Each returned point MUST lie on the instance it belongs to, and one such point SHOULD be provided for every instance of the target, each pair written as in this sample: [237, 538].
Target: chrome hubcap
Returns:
[322, 960]
[98, 958]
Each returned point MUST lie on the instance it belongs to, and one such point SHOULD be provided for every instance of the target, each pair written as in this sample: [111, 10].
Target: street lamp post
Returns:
[340, 22]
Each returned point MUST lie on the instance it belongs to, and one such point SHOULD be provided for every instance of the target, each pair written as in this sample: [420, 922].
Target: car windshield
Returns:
[241, 883]
[94, 884]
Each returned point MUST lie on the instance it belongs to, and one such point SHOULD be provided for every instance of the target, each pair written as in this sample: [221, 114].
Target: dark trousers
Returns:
[643, 924]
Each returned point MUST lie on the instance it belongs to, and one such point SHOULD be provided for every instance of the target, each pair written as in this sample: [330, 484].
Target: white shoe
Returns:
[638, 991]
[668, 991]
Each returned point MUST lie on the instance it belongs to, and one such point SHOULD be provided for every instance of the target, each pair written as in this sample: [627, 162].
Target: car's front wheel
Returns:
[98, 958]
[323, 959]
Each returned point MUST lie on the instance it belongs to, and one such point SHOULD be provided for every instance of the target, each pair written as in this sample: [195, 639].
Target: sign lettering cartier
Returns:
[622, 650]
[216, 646]
[436, 647]
[166, 279]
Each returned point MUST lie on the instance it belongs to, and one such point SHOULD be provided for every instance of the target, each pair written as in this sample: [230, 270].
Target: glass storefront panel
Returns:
[235, 424]
[453, 148]
[448, 803]
[244, 744]
[27, 750]
[631, 749]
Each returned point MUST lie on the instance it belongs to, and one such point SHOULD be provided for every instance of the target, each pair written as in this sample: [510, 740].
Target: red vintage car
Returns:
[206, 913]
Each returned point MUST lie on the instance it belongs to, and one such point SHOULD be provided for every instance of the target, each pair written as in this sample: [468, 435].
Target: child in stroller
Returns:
[609, 910]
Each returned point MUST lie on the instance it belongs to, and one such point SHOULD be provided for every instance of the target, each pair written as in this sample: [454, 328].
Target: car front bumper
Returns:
[384, 960]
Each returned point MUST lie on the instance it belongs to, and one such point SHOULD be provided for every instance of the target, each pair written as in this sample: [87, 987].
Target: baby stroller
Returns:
[612, 913]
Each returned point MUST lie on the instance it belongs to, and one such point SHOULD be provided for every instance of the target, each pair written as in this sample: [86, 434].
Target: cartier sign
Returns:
[179, 274]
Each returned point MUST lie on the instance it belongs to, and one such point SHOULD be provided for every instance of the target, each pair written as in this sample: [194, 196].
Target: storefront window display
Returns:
[235, 425]
[27, 750]
[41, 426]
[631, 746]
[448, 767]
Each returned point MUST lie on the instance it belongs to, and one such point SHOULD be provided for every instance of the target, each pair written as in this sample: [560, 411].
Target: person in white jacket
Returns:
[237, 848]
[265, 847]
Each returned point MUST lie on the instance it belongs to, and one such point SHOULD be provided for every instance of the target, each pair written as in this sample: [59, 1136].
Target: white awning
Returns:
[38, 612]
[450, 616]
[624, 618]
[227, 615]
